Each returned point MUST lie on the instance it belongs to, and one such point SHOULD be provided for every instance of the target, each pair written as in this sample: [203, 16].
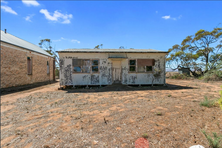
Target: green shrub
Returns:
[213, 75]
[159, 114]
[206, 102]
[180, 76]
[145, 135]
[213, 142]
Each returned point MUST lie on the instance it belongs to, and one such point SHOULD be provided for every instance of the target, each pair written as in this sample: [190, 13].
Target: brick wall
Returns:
[14, 66]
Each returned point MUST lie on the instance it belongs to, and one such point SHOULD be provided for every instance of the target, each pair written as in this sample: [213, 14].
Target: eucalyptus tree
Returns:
[46, 45]
[199, 53]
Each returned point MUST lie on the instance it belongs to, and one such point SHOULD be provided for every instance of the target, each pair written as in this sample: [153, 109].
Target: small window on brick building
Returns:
[47, 67]
[29, 65]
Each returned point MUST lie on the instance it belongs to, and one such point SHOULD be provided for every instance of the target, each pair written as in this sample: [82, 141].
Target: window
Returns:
[141, 65]
[84, 65]
[29, 65]
[47, 67]
[132, 65]
[77, 64]
[149, 68]
[95, 66]
[145, 65]
[141, 69]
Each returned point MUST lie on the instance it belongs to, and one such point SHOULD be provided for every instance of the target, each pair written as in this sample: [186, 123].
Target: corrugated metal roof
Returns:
[11, 39]
[112, 51]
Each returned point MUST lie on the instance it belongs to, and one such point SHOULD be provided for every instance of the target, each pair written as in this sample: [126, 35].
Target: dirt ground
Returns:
[113, 116]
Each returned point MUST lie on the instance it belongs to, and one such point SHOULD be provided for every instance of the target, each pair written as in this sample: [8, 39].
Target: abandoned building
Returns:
[108, 66]
[23, 62]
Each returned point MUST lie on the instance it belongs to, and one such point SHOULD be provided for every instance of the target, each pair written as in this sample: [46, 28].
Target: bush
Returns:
[213, 142]
[180, 76]
[213, 75]
[207, 103]
[145, 135]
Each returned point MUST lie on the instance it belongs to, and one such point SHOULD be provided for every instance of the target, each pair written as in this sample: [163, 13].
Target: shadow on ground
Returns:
[10, 90]
[120, 87]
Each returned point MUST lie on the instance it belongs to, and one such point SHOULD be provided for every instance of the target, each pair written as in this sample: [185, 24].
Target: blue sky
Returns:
[132, 24]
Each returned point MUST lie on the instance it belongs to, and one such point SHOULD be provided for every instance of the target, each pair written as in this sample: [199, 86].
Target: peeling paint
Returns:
[68, 75]
[124, 75]
[132, 79]
[95, 79]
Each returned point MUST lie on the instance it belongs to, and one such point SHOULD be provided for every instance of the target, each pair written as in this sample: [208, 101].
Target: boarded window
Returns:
[132, 65]
[47, 67]
[29, 65]
[95, 66]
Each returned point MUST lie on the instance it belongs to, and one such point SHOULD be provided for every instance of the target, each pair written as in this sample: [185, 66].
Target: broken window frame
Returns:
[94, 65]
[133, 65]
[29, 65]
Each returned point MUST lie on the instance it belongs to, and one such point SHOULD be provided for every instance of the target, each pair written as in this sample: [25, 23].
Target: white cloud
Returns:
[172, 18]
[166, 17]
[8, 9]
[57, 40]
[57, 16]
[75, 41]
[28, 18]
[2, 1]
[70, 40]
[30, 2]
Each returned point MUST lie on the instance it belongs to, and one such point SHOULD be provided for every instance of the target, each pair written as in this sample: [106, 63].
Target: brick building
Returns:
[23, 62]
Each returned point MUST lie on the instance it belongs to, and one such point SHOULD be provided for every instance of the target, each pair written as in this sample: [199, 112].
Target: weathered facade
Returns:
[108, 66]
[24, 63]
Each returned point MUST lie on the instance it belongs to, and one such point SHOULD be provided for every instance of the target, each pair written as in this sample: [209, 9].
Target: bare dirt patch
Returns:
[171, 116]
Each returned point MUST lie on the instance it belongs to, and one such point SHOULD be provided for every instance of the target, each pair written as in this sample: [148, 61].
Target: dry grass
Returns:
[72, 118]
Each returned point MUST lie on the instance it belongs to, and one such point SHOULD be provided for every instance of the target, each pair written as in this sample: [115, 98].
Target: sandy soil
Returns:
[114, 116]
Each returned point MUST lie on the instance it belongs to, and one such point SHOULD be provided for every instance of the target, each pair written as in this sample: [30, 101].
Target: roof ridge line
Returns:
[22, 39]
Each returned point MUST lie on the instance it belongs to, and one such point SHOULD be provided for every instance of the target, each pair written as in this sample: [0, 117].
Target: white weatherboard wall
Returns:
[104, 77]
